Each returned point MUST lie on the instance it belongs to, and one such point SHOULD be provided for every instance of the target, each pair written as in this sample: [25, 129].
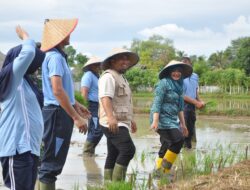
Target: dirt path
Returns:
[236, 177]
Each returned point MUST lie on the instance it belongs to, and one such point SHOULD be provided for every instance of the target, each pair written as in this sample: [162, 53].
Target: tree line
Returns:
[229, 69]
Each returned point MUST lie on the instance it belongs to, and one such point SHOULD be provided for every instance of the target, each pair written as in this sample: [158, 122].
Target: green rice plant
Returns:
[142, 185]
[94, 188]
[246, 152]
[112, 186]
[76, 186]
[164, 180]
[118, 186]
[135, 157]
[187, 163]
[132, 179]
[231, 157]
[150, 181]
[143, 157]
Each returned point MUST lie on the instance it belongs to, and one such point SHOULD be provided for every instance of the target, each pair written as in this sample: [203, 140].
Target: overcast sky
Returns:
[196, 26]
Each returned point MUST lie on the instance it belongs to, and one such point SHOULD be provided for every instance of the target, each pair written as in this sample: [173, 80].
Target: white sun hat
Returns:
[133, 57]
[92, 61]
[186, 69]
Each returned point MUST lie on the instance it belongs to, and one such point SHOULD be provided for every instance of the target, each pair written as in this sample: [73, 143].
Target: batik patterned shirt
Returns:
[168, 102]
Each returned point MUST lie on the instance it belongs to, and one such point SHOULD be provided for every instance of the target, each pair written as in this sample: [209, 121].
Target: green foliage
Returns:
[211, 77]
[76, 62]
[70, 51]
[234, 77]
[227, 68]
[200, 67]
[243, 56]
[155, 52]
[237, 55]
[80, 99]
[218, 60]
[81, 59]
[141, 78]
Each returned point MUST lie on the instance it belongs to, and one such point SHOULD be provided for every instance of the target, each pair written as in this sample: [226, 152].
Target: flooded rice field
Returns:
[212, 132]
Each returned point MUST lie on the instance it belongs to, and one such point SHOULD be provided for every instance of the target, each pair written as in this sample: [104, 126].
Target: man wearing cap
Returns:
[21, 122]
[192, 101]
[61, 111]
[89, 90]
[116, 112]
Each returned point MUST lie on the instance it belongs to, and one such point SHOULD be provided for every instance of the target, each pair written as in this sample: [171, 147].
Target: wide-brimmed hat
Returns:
[55, 31]
[133, 57]
[92, 61]
[186, 69]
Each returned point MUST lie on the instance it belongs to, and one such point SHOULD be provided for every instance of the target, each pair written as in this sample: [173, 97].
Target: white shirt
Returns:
[106, 87]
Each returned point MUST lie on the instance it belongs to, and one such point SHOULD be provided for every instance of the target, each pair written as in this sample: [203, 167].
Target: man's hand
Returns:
[199, 104]
[204, 104]
[184, 130]
[133, 127]
[21, 33]
[113, 124]
[82, 111]
[154, 125]
[81, 124]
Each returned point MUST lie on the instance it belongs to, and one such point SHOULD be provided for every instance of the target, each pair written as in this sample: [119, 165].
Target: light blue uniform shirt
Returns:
[55, 64]
[190, 86]
[21, 122]
[90, 81]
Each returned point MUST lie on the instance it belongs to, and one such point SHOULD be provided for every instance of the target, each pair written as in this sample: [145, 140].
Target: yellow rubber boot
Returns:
[158, 163]
[168, 160]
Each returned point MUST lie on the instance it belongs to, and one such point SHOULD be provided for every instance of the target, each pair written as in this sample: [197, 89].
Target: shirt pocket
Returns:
[122, 91]
[121, 112]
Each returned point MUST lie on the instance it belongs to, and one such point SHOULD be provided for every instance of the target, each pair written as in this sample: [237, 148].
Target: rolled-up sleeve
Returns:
[160, 91]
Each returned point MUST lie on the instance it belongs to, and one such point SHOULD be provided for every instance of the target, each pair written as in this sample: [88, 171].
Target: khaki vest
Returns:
[122, 101]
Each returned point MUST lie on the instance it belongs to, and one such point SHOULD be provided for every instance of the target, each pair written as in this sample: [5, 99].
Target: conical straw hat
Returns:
[186, 69]
[133, 57]
[55, 31]
[93, 60]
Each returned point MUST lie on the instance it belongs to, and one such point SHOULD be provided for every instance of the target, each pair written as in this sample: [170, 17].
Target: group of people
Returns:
[31, 118]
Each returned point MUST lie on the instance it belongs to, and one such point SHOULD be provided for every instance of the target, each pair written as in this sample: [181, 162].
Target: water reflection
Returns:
[93, 171]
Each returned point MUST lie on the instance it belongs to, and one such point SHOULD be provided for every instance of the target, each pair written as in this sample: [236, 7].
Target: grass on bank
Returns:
[207, 111]
[203, 95]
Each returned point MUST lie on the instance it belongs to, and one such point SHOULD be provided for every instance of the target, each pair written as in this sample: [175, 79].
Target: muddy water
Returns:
[210, 131]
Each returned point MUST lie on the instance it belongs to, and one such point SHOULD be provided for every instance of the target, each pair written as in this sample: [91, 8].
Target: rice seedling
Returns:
[143, 157]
